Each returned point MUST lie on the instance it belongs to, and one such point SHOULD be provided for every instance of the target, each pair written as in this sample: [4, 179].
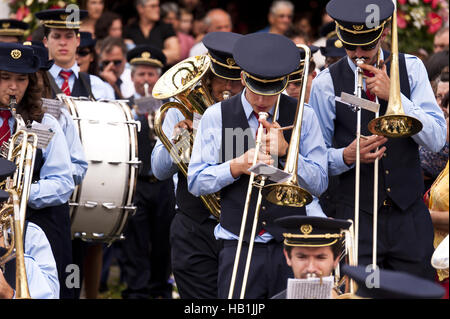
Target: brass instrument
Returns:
[12, 213]
[184, 83]
[395, 123]
[288, 193]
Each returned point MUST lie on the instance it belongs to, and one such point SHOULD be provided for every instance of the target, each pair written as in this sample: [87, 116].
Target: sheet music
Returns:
[271, 172]
[53, 107]
[148, 104]
[313, 288]
[44, 133]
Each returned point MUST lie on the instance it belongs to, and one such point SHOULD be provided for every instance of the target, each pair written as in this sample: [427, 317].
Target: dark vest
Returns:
[145, 143]
[10, 266]
[81, 86]
[400, 177]
[233, 196]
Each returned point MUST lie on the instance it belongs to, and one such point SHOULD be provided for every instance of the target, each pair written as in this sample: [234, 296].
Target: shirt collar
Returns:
[55, 69]
[248, 109]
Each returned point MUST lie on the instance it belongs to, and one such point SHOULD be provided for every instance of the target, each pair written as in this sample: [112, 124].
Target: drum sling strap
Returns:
[84, 77]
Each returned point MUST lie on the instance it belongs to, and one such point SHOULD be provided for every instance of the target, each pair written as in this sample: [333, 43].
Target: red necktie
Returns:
[5, 130]
[65, 87]
[369, 94]
[257, 117]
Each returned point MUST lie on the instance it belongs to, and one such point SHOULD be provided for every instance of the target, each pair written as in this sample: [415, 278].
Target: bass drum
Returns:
[100, 206]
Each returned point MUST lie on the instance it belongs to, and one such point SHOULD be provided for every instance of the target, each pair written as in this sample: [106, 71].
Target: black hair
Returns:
[47, 31]
[104, 23]
[435, 63]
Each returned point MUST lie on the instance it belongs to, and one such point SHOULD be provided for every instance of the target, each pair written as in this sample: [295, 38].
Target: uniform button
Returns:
[384, 154]
[388, 189]
[387, 172]
[263, 208]
[264, 223]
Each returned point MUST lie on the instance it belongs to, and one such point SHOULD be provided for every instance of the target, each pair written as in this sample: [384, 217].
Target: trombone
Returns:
[283, 194]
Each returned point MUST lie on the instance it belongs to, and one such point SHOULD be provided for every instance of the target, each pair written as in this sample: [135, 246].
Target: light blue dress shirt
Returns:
[40, 265]
[55, 185]
[77, 155]
[422, 106]
[100, 89]
[207, 175]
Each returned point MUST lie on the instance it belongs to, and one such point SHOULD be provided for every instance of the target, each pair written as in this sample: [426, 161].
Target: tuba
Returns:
[184, 83]
[21, 151]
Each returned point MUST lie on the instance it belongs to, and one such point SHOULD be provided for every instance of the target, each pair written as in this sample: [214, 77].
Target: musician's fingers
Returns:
[265, 123]
[371, 157]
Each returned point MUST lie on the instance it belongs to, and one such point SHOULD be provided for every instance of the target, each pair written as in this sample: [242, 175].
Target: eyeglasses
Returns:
[116, 62]
[84, 52]
[281, 16]
[368, 47]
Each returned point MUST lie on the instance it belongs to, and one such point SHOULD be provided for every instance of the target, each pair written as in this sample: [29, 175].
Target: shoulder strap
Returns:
[86, 81]
[55, 88]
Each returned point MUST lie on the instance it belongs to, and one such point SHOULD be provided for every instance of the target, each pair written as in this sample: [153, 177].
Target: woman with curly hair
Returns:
[52, 176]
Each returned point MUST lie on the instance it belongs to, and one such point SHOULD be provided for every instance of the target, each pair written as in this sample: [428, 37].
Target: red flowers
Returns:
[22, 12]
[433, 21]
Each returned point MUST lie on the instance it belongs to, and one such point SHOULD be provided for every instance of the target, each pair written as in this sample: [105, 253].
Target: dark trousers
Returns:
[145, 252]
[268, 272]
[404, 238]
[195, 256]
[55, 222]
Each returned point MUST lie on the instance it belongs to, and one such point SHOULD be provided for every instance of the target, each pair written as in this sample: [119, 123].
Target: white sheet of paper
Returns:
[272, 173]
[311, 288]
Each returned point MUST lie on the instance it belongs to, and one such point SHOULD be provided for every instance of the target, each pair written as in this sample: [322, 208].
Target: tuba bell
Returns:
[184, 82]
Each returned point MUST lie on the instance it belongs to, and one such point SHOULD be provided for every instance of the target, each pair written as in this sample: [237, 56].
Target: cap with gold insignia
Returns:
[42, 52]
[18, 58]
[360, 22]
[13, 28]
[333, 48]
[390, 284]
[62, 18]
[296, 75]
[311, 231]
[266, 60]
[220, 50]
[146, 55]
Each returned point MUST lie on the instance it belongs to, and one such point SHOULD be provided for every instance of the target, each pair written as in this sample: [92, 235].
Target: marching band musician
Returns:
[312, 246]
[62, 38]
[145, 252]
[405, 240]
[12, 30]
[40, 266]
[266, 60]
[195, 251]
[52, 176]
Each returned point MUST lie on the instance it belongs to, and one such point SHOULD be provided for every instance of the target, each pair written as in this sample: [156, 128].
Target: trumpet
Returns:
[184, 82]
[288, 193]
[13, 212]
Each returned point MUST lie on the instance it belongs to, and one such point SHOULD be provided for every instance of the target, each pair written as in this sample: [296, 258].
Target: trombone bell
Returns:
[287, 195]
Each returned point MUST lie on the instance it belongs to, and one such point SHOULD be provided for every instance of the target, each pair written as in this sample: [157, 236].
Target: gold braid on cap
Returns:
[142, 60]
[363, 31]
[58, 24]
[338, 26]
[294, 244]
[228, 66]
[12, 32]
[262, 80]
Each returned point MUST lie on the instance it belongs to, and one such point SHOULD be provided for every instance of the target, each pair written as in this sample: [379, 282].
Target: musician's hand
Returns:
[380, 83]
[367, 150]
[273, 141]
[181, 127]
[108, 74]
[241, 164]
[6, 292]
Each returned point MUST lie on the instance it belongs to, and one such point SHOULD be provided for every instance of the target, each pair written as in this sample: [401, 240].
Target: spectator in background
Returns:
[326, 30]
[150, 30]
[95, 10]
[186, 21]
[86, 56]
[108, 25]
[112, 61]
[280, 17]
[190, 5]
[216, 20]
[433, 163]
[441, 40]
[435, 64]
[298, 36]
[333, 51]
[170, 14]
[303, 23]
[198, 24]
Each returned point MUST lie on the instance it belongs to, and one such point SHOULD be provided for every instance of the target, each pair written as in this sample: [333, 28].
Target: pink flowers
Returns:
[22, 12]
[401, 20]
[434, 22]
[434, 3]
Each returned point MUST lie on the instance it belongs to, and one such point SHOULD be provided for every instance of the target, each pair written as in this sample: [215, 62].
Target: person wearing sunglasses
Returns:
[405, 230]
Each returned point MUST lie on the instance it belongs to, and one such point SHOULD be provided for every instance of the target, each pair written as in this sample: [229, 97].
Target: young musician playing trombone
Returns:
[224, 150]
[405, 234]
[195, 251]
